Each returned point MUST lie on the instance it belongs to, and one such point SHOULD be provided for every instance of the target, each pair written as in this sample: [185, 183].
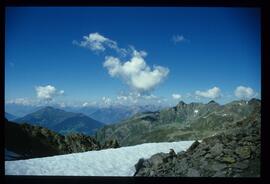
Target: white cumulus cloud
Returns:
[21, 101]
[214, 92]
[244, 92]
[121, 97]
[136, 73]
[149, 97]
[98, 42]
[47, 92]
[176, 96]
[85, 104]
[178, 38]
[61, 92]
[106, 100]
[137, 98]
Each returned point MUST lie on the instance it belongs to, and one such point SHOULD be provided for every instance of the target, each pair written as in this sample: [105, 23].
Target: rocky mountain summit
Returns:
[31, 141]
[233, 153]
[182, 122]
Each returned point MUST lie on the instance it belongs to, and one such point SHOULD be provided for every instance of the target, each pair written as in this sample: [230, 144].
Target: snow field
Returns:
[108, 162]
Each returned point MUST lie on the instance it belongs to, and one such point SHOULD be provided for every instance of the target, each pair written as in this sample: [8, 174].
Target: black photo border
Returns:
[265, 50]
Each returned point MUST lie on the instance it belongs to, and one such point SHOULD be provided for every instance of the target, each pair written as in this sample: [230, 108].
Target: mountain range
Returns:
[62, 121]
[117, 113]
[109, 114]
[20, 110]
[192, 121]
[229, 134]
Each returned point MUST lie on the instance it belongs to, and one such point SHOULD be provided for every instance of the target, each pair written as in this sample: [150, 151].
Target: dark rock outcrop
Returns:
[31, 141]
[232, 153]
[111, 144]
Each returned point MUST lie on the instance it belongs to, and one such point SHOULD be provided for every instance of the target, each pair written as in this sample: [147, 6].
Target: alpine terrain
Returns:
[62, 121]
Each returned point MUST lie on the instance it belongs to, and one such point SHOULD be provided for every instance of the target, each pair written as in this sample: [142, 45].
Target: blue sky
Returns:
[204, 53]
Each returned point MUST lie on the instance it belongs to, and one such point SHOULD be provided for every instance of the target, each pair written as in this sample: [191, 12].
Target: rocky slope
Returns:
[182, 122]
[233, 153]
[32, 141]
[79, 124]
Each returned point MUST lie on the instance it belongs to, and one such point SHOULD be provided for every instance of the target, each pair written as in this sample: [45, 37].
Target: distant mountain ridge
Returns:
[106, 114]
[115, 114]
[10, 116]
[182, 122]
[20, 110]
[78, 123]
[61, 121]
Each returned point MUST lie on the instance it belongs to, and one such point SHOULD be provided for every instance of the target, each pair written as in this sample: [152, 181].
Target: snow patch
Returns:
[108, 162]
[196, 111]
